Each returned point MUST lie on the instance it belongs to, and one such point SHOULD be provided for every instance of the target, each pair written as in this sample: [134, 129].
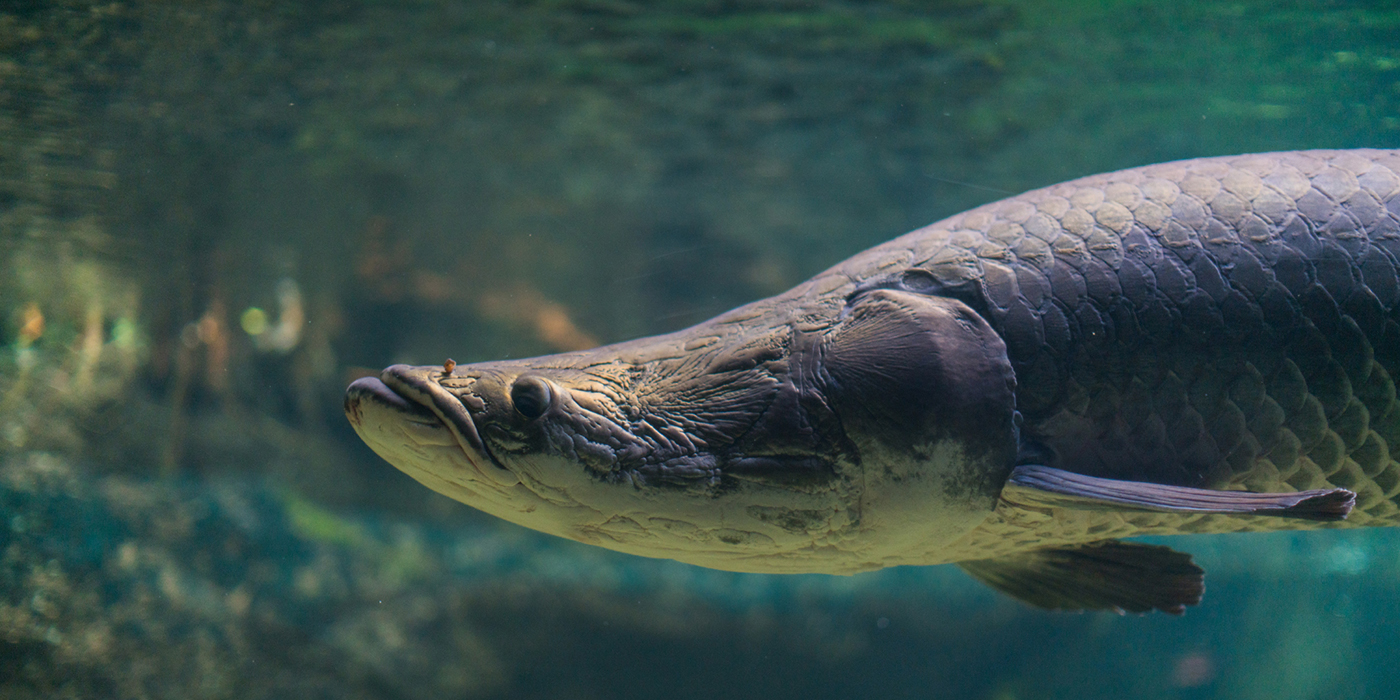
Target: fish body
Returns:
[1199, 346]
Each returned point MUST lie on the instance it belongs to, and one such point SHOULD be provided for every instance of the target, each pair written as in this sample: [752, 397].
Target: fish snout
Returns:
[414, 419]
[417, 394]
[367, 392]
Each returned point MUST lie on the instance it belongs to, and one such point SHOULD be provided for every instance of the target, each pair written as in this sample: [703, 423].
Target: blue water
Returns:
[213, 215]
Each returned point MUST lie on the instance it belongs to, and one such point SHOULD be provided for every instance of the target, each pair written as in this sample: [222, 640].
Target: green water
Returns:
[215, 214]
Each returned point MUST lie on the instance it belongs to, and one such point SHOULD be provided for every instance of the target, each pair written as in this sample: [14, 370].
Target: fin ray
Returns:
[1108, 575]
[1034, 485]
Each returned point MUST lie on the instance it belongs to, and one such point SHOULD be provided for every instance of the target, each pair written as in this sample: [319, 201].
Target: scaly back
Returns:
[1225, 323]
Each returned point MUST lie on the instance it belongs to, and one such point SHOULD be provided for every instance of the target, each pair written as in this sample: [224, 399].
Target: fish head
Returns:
[748, 443]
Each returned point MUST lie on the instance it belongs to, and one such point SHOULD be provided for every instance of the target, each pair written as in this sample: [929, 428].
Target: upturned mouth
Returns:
[373, 389]
[413, 394]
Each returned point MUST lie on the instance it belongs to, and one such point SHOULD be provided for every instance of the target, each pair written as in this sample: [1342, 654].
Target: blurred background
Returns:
[214, 214]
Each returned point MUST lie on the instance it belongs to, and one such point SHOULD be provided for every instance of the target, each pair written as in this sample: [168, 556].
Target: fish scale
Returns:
[1293, 255]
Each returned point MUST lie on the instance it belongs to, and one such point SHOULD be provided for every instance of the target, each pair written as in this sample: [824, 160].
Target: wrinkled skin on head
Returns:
[805, 433]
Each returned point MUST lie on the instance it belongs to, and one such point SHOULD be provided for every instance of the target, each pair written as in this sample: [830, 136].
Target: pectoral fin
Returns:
[1038, 486]
[1108, 575]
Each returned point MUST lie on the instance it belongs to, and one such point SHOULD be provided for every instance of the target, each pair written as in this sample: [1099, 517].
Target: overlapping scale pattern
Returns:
[1223, 322]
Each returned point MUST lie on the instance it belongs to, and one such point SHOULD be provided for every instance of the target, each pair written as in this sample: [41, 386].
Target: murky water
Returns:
[215, 214]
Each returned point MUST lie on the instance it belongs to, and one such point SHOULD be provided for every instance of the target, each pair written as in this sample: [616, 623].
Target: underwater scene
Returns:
[215, 215]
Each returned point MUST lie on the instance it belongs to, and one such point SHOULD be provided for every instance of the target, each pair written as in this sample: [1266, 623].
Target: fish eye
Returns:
[531, 396]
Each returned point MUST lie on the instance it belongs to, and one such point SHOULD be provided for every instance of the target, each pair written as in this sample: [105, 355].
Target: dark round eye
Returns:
[531, 396]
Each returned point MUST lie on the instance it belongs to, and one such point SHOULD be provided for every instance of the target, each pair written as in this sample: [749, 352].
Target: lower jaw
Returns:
[493, 473]
[479, 466]
[448, 470]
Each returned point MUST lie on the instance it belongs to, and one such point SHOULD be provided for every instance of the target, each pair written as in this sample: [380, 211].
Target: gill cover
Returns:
[926, 393]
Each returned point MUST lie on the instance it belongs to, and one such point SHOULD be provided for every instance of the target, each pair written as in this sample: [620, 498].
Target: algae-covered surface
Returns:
[215, 214]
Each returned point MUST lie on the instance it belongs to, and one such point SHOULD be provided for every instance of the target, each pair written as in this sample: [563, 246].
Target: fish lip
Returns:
[426, 398]
[371, 388]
